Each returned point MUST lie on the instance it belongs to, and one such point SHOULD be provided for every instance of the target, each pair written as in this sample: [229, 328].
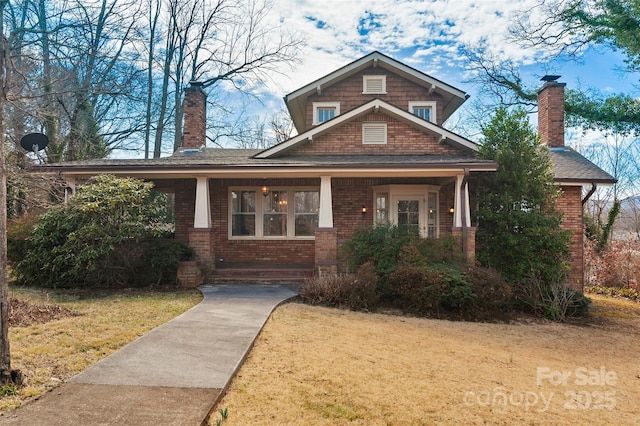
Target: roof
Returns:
[296, 101]
[571, 167]
[242, 162]
[444, 135]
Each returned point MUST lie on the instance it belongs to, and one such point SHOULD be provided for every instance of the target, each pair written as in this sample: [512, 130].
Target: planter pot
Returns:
[189, 274]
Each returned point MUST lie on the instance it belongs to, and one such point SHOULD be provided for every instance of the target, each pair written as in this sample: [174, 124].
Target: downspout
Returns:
[594, 186]
[463, 210]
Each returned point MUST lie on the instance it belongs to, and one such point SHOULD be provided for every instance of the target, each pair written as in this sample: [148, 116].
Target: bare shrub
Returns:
[617, 266]
[351, 291]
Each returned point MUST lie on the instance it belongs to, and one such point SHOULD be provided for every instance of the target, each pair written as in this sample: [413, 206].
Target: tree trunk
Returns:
[5, 358]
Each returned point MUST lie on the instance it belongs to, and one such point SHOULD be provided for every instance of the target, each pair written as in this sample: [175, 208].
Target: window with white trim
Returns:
[374, 133]
[253, 215]
[374, 84]
[424, 109]
[325, 111]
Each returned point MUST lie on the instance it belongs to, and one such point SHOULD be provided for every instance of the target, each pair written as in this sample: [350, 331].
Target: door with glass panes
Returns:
[415, 212]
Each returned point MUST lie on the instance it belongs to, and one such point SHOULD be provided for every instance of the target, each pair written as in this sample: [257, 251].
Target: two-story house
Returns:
[370, 148]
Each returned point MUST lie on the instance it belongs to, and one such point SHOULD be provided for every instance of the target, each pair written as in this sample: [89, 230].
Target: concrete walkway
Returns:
[172, 375]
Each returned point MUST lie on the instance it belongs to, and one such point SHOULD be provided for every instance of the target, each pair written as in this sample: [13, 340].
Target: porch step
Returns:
[262, 274]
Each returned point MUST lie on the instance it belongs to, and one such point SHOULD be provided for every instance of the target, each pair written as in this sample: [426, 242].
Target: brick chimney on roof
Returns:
[194, 110]
[551, 112]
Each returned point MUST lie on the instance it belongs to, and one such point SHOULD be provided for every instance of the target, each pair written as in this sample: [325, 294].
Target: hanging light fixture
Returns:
[265, 188]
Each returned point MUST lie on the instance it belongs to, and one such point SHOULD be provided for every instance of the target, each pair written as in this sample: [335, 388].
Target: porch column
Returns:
[201, 236]
[325, 219]
[460, 198]
[202, 215]
[462, 218]
[326, 236]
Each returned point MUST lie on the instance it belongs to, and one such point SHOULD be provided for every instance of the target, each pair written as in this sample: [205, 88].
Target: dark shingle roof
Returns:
[571, 166]
[222, 157]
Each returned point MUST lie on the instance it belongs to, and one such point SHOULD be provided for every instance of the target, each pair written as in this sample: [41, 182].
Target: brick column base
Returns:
[326, 251]
[469, 252]
[201, 240]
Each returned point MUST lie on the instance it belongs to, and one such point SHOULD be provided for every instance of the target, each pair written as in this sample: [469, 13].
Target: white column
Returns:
[459, 198]
[457, 212]
[325, 219]
[202, 214]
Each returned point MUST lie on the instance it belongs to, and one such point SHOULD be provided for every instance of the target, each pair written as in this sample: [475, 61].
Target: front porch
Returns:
[240, 246]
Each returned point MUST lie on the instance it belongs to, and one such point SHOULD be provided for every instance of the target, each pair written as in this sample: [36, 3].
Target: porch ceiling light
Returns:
[265, 188]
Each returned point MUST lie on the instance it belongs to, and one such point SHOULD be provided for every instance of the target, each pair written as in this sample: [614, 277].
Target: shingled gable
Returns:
[379, 106]
[296, 101]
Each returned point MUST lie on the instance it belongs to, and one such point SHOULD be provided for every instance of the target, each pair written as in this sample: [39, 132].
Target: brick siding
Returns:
[348, 92]
[551, 114]
[195, 103]
[570, 205]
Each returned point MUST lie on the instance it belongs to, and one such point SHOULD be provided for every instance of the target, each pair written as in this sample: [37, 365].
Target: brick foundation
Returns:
[469, 252]
[326, 251]
[201, 240]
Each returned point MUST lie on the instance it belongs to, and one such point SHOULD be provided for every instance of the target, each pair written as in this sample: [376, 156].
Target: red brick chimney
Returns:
[194, 110]
[551, 112]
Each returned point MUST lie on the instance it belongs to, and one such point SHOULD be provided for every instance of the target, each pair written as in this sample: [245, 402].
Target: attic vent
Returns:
[374, 133]
[374, 84]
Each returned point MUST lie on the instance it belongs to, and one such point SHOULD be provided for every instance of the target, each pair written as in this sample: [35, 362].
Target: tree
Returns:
[107, 234]
[519, 230]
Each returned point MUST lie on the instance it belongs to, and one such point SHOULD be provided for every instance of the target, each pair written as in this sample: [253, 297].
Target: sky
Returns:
[427, 35]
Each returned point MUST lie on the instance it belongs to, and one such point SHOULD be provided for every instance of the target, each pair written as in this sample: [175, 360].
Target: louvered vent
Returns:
[374, 133]
[374, 84]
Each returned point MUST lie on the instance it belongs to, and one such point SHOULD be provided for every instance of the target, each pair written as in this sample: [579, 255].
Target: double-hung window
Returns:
[281, 213]
[423, 109]
[325, 111]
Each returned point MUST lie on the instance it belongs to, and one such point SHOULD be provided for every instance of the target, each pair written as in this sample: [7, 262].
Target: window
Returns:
[256, 216]
[382, 209]
[243, 213]
[374, 133]
[324, 111]
[274, 221]
[374, 84]
[424, 109]
[307, 205]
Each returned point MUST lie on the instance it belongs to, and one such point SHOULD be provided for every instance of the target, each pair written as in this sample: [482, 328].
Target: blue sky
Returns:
[428, 36]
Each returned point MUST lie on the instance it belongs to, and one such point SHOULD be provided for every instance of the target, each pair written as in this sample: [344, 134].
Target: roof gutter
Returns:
[594, 186]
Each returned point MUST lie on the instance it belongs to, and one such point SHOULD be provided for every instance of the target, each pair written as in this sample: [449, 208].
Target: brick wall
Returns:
[570, 204]
[349, 93]
[349, 196]
[551, 114]
[401, 139]
[326, 251]
[194, 129]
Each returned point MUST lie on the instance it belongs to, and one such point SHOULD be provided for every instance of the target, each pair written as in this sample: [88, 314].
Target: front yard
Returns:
[314, 365]
[50, 344]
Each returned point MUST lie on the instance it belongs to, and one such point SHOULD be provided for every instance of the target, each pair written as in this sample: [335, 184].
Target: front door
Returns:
[409, 215]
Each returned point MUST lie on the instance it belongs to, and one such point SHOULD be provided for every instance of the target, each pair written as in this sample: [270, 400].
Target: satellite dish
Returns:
[34, 142]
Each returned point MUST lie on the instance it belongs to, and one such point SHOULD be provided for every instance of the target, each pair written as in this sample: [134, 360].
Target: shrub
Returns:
[351, 291]
[416, 289]
[553, 301]
[100, 237]
[491, 290]
[618, 265]
[18, 230]
[622, 292]
[380, 245]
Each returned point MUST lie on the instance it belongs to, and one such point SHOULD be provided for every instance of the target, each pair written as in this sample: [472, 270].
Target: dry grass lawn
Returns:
[314, 365]
[51, 352]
